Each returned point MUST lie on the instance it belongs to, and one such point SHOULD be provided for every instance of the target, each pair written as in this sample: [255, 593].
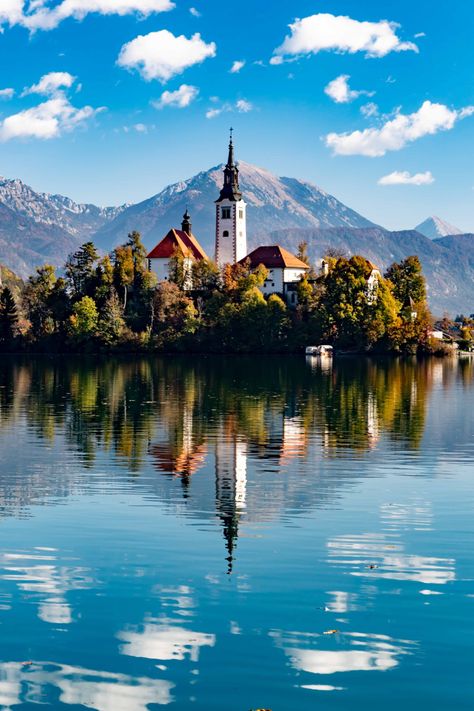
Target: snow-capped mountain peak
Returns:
[434, 227]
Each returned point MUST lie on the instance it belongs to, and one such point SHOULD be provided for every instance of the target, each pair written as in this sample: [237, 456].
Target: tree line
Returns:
[113, 302]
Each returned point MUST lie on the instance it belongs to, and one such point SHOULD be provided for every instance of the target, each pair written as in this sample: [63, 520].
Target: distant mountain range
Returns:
[435, 227]
[38, 227]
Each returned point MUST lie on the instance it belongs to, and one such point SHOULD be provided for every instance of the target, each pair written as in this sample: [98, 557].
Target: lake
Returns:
[236, 533]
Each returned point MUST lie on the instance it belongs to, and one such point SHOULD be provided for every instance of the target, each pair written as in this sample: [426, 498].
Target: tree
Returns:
[407, 281]
[84, 319]
[123, 270]
[79, 270]
[8, 315]
[45, 301]
[111, 321]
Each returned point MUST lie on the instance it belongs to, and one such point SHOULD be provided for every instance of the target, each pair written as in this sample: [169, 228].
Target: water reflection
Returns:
[358, 652]
[98, 690]
[212, 520]
[40, 572]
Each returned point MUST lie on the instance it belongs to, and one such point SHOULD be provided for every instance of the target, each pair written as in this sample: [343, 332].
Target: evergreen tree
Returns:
[111, 321]
[8, 315]
[80, 273]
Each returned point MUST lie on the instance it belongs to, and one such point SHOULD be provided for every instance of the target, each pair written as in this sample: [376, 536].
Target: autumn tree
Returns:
[84, 319]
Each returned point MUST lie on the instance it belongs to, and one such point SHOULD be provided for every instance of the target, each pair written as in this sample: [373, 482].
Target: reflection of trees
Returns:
[170, 409]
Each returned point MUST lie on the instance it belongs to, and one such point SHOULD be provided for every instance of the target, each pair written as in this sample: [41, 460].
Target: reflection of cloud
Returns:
[416, 515]
[372, 652]
[103, 691]
[165, 641]
[370, 555]
[42, 575]
[341, 601]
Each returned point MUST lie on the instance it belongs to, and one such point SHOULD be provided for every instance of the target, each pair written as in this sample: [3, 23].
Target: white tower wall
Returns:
[231, 231]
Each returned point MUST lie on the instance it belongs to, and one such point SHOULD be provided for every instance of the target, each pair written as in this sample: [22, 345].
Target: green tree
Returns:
[8, 315]
[80, 272]
[45, 302]
[84, 319]
[111, 321]
[407, 281]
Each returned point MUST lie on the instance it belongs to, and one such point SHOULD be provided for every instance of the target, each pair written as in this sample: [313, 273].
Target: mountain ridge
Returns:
[434, 227]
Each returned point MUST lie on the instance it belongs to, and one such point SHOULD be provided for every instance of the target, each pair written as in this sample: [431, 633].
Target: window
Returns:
[225, 213]
[225, 233]
[241, 214]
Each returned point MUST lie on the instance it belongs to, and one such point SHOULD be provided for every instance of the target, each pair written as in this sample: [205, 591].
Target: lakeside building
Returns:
[284, 269]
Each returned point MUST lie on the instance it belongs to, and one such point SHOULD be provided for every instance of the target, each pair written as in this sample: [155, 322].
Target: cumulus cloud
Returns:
[48, 120]
[51, 83]
[339, 90]
[160, 55]
[370, 109]
[405, 178]
[397, 132]
[40, 15]
[237, 66]
[6, 94]
[194, 12]
[243, 106]
[324, 31]
[180, 98]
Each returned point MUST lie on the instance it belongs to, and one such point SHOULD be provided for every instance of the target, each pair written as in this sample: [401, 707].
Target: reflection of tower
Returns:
[231, 483]
[372, 420]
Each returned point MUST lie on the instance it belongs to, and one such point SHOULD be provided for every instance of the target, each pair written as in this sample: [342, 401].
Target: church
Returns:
[284, 269]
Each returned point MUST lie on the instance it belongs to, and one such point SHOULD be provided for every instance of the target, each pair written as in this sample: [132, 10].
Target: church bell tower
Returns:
[231, 230]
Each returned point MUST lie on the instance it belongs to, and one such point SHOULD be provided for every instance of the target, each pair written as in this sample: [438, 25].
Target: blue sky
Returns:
[141, 98]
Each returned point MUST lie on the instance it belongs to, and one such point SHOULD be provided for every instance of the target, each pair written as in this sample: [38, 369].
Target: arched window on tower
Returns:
[225, 233]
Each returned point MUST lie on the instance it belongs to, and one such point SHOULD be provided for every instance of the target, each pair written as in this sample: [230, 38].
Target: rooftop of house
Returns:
[274, 257]
[178, 240]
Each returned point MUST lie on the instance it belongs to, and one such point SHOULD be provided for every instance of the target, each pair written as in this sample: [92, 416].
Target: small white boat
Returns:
[323, 351]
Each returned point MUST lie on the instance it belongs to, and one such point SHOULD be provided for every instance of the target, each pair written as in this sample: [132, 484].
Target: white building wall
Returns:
[160, 268]
[231, 232]
[274, 282]
[292, 275]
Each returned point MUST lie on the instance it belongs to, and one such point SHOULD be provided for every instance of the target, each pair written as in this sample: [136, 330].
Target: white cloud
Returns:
[405, 178]
[212, 113]
[340, 34]
[243, 106]
[369, 109]
[160, 55]
[237, 66]
[180, 98]
[339, 90]
[48, 120]
[398, 132]
[7, 93]
[420, 34]
[41, 16]
[49, 84]
[194, 12]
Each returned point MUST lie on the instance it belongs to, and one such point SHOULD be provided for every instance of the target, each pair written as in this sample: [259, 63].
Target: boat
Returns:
[323, 351]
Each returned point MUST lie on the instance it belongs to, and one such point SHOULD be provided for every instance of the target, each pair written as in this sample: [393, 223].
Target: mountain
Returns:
[435, 227]
[448, 263]
[39, 227]
[274, 203]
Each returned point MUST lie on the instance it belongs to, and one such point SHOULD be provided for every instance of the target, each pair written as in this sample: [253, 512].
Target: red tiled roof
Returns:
[274, 256]
[178, 240]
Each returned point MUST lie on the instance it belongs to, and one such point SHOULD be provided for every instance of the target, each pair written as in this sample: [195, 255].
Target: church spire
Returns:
[231, 188]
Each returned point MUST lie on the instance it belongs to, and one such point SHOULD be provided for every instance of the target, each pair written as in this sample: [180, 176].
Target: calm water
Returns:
[235, 534]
